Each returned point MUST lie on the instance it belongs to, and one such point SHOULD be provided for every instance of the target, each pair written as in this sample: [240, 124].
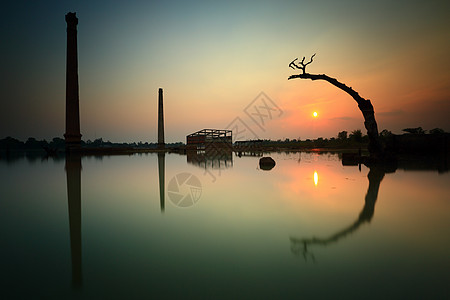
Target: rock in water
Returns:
[266, 163]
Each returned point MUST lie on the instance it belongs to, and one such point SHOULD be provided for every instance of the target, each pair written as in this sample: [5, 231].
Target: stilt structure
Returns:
[72, 135]
[161, 144]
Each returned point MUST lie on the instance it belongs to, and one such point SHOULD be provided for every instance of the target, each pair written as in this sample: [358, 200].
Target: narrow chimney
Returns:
[72, 135]
[161, 144]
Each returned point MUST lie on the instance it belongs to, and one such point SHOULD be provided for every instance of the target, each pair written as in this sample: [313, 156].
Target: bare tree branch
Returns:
[302, 65]
[334, 82]
[364, 105]
[293, 65]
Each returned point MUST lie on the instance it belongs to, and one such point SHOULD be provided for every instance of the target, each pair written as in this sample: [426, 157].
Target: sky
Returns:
[224, 65]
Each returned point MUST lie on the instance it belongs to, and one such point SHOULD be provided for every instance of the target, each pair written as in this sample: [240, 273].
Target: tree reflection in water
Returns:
[299, 246]
[438, 162]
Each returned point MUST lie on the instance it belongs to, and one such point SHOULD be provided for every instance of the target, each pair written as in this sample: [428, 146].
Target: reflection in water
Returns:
[249, 153]
[135, 256]
[376, 174]
[73, 172]
[161, 173]
[316, 178]
[211, 158]
[12, 157]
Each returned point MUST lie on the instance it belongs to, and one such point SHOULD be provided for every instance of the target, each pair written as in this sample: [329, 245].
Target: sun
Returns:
[315, 114]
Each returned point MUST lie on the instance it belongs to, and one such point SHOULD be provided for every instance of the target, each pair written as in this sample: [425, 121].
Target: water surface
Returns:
[108, 228]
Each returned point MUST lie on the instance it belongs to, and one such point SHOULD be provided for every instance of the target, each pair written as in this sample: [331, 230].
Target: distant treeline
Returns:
[56, 143]
[354, 139]
[344, 140]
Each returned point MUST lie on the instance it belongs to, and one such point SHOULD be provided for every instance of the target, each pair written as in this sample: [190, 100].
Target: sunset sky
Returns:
[214, 58]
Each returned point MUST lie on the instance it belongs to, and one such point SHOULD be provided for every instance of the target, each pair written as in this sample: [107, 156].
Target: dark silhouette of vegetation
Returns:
[416, 140]
[385, 133]
[58, 144]
[365, 106]
[436, 140]
[417, 130]
[342, 135]
[437, 131]
[356, 136]
[355, 140]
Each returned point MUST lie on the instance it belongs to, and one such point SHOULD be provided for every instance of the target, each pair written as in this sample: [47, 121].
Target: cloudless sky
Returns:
[213, 58]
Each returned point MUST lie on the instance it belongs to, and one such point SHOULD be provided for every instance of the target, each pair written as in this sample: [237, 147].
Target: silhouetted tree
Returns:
[365, 106]
[385, 133]
[97, 142]
[356, 135]
[57, 143]
[10, 143]
[436, 131]
[342, 135]
[319, 142]
[32, 143]
[417, 130]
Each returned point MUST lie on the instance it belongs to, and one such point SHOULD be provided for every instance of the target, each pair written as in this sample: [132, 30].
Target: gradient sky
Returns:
[213, 58]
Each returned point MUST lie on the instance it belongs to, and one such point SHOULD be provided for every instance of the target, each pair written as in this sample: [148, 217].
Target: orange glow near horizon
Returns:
[120, 77]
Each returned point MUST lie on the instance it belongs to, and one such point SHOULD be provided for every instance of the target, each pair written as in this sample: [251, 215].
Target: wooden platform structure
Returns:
[209, 138]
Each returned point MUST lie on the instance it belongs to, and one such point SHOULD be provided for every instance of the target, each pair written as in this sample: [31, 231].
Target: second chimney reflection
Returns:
[161, 175]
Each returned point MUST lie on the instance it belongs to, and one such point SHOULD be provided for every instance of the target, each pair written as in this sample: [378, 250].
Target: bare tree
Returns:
[365, 106]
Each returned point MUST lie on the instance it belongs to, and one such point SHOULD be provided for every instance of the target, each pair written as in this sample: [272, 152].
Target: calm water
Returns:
[310, 227]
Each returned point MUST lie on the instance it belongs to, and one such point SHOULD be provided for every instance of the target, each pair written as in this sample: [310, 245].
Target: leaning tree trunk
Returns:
[364, 105]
